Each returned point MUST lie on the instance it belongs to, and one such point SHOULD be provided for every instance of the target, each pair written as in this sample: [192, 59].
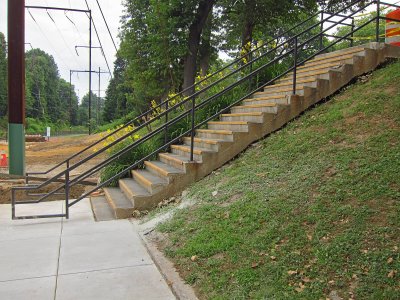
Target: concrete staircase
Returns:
[256, 117]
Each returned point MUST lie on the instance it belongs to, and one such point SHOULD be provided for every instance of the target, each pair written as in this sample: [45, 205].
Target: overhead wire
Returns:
[62, 37]
[48, 40]
[108, 28]
[98, 38]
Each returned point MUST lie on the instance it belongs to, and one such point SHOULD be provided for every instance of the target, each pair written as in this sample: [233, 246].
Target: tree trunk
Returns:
[205, 48]
[195, 30]
[249, 23]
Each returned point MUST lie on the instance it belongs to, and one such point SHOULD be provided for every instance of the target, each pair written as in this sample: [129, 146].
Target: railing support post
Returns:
[352, 32]
[192, 129]
[166, 121]
[67, 191]
[12, 204]
[295, 66]
[378, 16]
[321, 44]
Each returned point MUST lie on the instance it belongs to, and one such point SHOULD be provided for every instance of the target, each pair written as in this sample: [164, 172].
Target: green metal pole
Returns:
[16, 86]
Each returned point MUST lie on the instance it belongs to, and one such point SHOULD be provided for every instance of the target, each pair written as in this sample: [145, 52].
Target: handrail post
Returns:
[352, 32]
[166, 121]
[295, 66]
[12, 204]
[251, 68]
[321, 30]
[192, 129]
[378, 16]
[67, 191]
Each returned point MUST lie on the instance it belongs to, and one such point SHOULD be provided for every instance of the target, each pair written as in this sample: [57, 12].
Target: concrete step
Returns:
[120, 204]
[282, 92]
[332, 59]
[225, 135]
[211, 144]
[161, 169]
[251, 117]
[174, 160]
[342, 52]
[152, 183]
[299, 84]
[265, 100]
[101, 209]
[184, 150]
[309, 76]
[232, 126]
[271, 108]
[133, 190]
[323, 67]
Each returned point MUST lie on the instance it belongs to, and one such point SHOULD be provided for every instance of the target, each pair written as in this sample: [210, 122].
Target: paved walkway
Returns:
[74, 259]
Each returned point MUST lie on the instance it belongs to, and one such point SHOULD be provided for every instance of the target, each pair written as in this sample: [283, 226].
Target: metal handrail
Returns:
[181, 93]
[69, 183]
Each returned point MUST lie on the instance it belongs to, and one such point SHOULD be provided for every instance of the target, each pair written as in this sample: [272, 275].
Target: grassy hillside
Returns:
[311, 212]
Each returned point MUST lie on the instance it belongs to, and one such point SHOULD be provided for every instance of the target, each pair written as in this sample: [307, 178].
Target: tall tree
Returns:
[116, 101]
[42, 82]
[193, 42]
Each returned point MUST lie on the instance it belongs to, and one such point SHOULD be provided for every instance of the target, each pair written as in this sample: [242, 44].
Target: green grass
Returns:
[311, 210]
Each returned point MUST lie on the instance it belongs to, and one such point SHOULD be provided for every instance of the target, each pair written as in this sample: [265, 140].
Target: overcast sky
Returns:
[60, 37]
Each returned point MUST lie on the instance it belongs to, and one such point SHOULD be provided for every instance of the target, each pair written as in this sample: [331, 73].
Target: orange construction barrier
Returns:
[3, 160]
[393, 28]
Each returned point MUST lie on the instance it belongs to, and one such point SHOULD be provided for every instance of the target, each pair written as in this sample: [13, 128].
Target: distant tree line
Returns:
[49, 98]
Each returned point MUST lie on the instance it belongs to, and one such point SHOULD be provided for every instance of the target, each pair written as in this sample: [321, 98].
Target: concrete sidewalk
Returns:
[74, 259]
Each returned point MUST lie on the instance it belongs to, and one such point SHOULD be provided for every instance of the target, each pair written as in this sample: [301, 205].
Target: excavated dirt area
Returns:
[44, 155]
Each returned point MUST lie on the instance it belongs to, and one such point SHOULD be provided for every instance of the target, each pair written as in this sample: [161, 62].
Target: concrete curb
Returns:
[180, 289]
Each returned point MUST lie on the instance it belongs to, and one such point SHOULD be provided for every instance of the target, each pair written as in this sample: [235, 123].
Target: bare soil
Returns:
[41, 156]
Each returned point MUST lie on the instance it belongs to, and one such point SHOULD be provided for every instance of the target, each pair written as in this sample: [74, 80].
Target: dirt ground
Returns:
[42, 156]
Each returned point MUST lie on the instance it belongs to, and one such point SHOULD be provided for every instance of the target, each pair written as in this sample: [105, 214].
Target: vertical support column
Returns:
[192, 131]
[166, 121]
[352, 32]
[295, 66]
[16, 86]
[321, 37]
[90, 72]
[67, 188]
[70, 98]
[378, 16]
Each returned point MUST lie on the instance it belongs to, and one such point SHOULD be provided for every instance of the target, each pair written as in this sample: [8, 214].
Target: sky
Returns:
[60, 37]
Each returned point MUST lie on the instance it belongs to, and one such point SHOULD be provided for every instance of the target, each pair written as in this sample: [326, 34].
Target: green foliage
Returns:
[310, 210]
[365, 34]
[116, 102]
[129, 158]
[96, 105]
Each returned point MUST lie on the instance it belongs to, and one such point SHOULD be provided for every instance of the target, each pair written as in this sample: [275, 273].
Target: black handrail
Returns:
[181, 93]
[191, 111]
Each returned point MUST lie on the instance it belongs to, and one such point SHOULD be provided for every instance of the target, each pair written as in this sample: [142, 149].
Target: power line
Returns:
[62, 37]
[51, 45]
[98, 38]
[105, 21]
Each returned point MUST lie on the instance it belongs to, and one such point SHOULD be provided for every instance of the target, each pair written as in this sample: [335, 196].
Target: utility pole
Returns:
[16, 86]
[90, 70]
